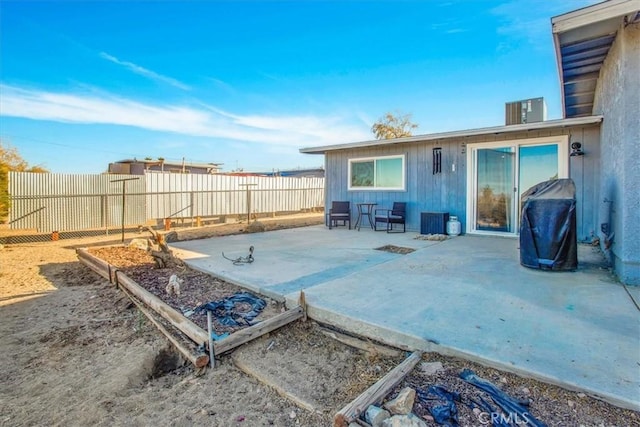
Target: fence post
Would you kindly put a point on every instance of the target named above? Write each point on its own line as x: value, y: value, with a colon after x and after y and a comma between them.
x: 191, y: 200
x: 248, y: 186
x: 124, y: 195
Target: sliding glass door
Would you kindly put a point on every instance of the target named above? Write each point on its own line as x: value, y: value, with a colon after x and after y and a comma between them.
x: 494, y: 183
x: 501, y: 172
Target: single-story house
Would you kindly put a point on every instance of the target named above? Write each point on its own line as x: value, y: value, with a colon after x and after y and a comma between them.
x: 140, y: 167
x: 478, y: 175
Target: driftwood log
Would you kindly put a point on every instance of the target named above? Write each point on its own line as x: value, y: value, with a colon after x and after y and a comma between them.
x: 163, y: 256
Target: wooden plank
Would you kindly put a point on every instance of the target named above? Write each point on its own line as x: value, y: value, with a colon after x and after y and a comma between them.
x: 245, y: 335
x: 199, y: 360
x: 94, y: 263
x: 302, y: 302
x: 184, y: 325
x: 361, y: 344
x: 187, y: 327
x: 376, y: 392
x: 280, y: 390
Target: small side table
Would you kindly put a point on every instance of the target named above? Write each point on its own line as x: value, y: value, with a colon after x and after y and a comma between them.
x: 365, y: 209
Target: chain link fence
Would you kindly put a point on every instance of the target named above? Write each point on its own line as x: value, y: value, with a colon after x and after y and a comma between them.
x: 50, y: 207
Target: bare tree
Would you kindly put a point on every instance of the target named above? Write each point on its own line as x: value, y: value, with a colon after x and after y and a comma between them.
x: 10, y: 160
x: 393, y: 126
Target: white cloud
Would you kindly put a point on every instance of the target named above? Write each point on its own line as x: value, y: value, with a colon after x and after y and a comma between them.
x: 144, y: 72
x: 293, y: 130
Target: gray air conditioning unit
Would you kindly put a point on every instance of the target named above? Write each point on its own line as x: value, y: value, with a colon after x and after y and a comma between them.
x: 526, y: 111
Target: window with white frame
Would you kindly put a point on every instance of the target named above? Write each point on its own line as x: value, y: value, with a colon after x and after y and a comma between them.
x: 377, y: 173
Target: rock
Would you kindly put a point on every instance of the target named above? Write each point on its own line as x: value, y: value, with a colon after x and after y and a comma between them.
x: 526, y: 390
x: 139, y: 243
x: 292, y: 414
x: 171, y: 236
x: 582, y: 395
x: 431, y: 368
x: 375, y: 415
x: 256, y: 227
x: 173, y: 287
x: 403, y: 403
x: 571, y: 403
x: 404, y: 421
x: 477, y: 412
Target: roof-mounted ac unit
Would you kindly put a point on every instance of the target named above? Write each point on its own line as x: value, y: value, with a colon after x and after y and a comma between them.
x: 526, y: 111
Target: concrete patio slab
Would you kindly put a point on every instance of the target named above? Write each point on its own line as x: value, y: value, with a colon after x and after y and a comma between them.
x: 467, y: 296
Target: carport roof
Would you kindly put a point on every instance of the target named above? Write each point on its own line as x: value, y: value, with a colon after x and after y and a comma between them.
x: 495, y: 130
x: 582, y: 40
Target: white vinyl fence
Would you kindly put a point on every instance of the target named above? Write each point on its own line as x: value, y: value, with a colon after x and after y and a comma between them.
x: 60, y: 202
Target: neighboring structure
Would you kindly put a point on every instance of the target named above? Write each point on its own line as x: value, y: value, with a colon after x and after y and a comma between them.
x: 140, y: 167
x: 296, y: 173
x: 478, y: 175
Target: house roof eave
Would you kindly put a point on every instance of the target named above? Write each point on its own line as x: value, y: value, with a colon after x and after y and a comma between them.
x: 496, y: 130
x: 582, y: 40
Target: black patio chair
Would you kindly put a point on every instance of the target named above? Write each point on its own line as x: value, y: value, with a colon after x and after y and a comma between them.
x: 395, y: 215
x: 340, y: 211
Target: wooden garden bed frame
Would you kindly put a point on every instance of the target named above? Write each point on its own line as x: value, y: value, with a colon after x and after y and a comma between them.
x: 195, y: 338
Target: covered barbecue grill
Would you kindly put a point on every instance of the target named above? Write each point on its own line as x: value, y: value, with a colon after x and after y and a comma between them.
x: 548, y: 226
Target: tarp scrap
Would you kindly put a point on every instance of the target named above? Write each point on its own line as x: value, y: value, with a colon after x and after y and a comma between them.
x: 226, y: 310
x: 445, y: 412
x: 511, y: 406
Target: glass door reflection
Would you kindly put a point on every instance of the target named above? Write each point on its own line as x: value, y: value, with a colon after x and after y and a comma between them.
x: 495, y: 189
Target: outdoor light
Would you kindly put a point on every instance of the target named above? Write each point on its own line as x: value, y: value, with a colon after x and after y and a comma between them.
x: 576, y: 149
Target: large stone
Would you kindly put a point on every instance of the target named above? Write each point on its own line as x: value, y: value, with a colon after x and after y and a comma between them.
x: 375, y: 415
x: 431, y: 368
x: 404, y: 421
x: 403, y: 403
x: 139, y: 244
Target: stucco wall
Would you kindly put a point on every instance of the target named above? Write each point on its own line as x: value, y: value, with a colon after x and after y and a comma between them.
x: 447, y: 191
x: 617, y: 98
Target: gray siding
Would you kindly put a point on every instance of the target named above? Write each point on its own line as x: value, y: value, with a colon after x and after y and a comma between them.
x: 618, y: 98
x: 447, y: 191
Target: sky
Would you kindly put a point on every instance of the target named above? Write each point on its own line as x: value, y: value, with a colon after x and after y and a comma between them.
x: 249, y: 83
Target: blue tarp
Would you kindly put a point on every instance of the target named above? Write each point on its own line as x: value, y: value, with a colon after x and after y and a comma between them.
x: 227, y: 313
x: 444, y: 411
x: 514, y: 409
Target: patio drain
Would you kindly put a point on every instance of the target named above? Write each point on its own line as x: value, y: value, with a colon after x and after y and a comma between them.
x: 395, y: 249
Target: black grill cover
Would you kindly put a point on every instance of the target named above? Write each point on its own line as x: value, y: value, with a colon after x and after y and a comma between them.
x: 548, y: 226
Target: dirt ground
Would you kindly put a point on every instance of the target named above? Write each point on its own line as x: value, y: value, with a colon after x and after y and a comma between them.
x: 75, y: 352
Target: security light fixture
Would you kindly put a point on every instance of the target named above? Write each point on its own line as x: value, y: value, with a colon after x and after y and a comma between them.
x: 576, y: 149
